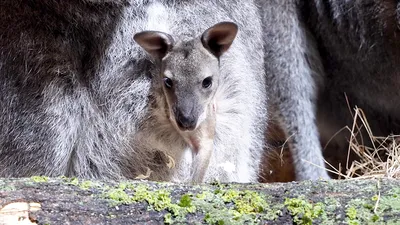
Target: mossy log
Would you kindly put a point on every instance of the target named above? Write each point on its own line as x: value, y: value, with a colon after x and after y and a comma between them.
x: 42, y: 200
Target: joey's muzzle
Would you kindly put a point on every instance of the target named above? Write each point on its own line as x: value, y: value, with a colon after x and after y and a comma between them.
x: 186, y: 112
x: 186, y: 120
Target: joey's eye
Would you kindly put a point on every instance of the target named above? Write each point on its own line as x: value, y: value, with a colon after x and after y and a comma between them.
x: 167, y: 82
x: 207, y: 82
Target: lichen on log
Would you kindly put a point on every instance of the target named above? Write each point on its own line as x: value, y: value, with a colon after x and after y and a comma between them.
x: 42, y: 200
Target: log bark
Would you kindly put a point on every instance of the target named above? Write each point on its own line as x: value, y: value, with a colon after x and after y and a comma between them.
x: 41, y: 200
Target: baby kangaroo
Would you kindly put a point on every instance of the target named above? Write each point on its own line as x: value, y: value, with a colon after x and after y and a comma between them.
x: 188, y: 79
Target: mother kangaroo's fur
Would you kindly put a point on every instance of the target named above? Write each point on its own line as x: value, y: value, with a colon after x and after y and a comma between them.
x: 75, y: 89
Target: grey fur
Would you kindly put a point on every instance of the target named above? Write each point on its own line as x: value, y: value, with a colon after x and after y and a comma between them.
x: 360, y: 50
x: 75, y: 90
x: 294, y: 76
x: 320, y: 52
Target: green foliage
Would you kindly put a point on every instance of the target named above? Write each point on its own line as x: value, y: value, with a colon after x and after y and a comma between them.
x: 303, y: 211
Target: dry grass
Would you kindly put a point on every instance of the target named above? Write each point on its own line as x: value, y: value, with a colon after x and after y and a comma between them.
x: 381, y: 160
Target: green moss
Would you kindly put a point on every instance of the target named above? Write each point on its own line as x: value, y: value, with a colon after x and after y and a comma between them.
x: 370, y: 210
x: 119, y: 196
x: 86, y: 184
x: 186, y: 202
x: 351, y: 213
x: 375, y: 218
x: 168, y: 218
x: 391, y: 201
x: 247, y: 202
x: 353, y: 222
x: 229, y: 206
x: 228, y: 195
x: 388, y: 204
x: 218, y: 207
x: 126, y: 186
x: 83, y: 184
x: 71, y: 180
x: 161, y: 200
x: 40, y: 179
x: 303, y: 211
x: 361, y: 211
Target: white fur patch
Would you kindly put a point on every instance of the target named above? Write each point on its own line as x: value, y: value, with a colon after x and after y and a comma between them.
x: 228, y: 167
x: 157, y: 15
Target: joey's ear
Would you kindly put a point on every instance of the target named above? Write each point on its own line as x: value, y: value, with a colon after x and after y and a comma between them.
x: 218, y: 38
x: 155, y: 43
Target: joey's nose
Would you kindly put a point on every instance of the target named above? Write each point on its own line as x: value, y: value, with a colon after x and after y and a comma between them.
x: 186, y: 121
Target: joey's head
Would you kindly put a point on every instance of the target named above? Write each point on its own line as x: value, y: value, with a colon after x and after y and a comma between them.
x: 189, y: 70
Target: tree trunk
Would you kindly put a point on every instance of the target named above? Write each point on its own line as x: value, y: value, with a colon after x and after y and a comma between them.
x: 42, y: 200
